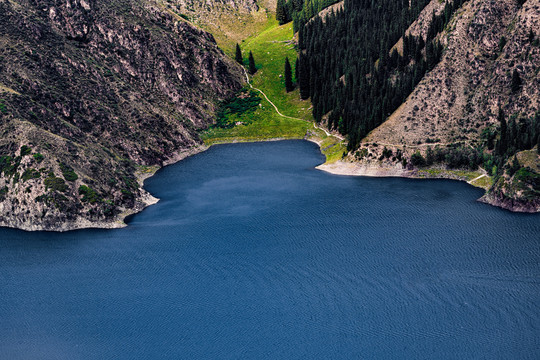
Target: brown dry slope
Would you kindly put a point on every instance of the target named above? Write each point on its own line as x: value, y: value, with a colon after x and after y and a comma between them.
x: 461, y: 96
x: 230, y: 21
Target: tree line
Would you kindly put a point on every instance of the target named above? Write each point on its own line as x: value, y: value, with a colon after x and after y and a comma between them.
x: 346, y: 66
x: 299, y: 11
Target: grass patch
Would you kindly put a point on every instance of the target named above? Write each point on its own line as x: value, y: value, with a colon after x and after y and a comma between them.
x: 269, y: 48
x: 141, y: 169
x: 263, y: 125
x: 485, y: 182
x: 529, y: 158
x: 449, y: 174
x: 333, y: 149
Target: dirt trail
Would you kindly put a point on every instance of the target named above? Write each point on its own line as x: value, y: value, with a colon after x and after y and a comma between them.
x: 282, y: 115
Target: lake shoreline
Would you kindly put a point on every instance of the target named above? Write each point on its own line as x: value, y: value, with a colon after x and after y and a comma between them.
x: 146, y: 199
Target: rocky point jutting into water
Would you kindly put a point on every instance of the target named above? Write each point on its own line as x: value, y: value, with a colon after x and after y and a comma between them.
x: 92, y: 94
x: 458, y: 103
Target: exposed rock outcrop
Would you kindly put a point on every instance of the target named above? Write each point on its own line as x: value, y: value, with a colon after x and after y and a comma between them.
x: 518, y: 189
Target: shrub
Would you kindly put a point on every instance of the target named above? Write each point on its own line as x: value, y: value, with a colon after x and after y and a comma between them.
x: 38, y: 157
x: 68, y: 173
x: 238, y: 105
x: 25, y: 150
x: 386, y: 152
x: 126, y: 194
x: 417, y: 159
x: 9, y: 165
x: 30, y: 174
x: 88, y: 194
x: 108, y: 208
x: 55, y: 183
x: 3, y: 192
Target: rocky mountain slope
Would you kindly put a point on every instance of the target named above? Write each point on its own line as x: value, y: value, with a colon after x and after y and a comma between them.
x: 459, y: 100
x: 230, y: 21
x: 92, y: 95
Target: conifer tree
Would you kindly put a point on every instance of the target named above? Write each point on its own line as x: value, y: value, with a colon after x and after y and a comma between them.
x: 516, y: 81
x: 288, y: 76
x: 252, y: 68
x: 296, y: 69
x: 297, y: 5
x: 303, y: 78
x: 239, y: 59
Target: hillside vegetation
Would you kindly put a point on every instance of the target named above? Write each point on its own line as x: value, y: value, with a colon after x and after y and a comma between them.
x: 438, y: 90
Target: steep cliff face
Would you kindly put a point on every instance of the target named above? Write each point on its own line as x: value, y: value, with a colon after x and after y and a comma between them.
x: 459, y: 100
x: 93, y: 93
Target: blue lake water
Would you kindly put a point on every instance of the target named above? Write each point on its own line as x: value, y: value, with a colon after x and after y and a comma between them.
x: 254, y: 254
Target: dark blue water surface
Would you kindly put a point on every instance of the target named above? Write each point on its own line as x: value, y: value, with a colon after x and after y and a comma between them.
x: 253, y: 254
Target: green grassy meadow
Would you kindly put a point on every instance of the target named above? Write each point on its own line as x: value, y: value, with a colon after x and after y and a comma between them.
x: 270, y: 48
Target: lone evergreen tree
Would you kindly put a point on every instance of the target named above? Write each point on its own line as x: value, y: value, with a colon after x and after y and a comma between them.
x: 516, y: 81
x: 239, y: 59
x: 252, y: 68
x: 288, y: 76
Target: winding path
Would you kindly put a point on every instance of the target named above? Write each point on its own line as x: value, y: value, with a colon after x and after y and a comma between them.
x: 282, y: 115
